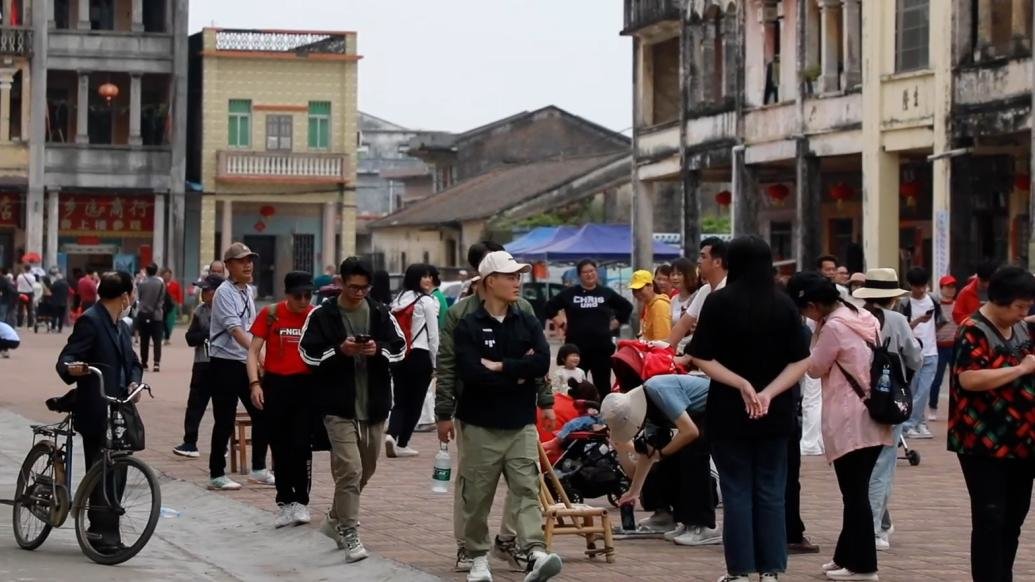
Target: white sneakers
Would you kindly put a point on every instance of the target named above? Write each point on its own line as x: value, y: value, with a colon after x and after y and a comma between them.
x: 262, y: 477
x: 354, y: 550
x: 921, y: 432
x: 883, y: 542
x: 393, y: 450
x: 405, y: 452
x: 223, y: 483
x: 544, y: 566
x: 660, y: 521
x: 699, y: 536
x: 671, y: 535
x: 844, y: 574
x: 292, y: 514
x: 480, y: 570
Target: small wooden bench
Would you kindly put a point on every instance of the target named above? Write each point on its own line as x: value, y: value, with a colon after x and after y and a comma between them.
x: 565, y: 518
x: 240, y: 440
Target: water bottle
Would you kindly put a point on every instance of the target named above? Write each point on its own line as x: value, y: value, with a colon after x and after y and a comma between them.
x: 443, y: 470
x: 169, y: 512
x: 884, y: 384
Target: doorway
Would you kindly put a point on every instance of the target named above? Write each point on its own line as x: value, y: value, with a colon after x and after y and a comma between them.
x: 7, y: 250
x: 266, y: 246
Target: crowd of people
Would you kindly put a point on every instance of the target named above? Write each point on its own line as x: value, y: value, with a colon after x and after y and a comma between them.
x: 765, y: 368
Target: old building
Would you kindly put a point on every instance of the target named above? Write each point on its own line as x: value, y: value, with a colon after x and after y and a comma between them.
x: 896, y: 132
x: 273, y: 129
x: 489, y: 177
x: 98, y: 131
x: 387, y: 176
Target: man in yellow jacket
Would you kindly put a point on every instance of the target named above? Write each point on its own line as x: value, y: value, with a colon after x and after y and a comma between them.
x: 655, y: 308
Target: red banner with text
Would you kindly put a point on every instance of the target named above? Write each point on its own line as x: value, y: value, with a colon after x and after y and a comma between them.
x: 107, y: 216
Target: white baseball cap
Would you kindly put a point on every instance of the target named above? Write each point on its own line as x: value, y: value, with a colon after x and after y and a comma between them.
x: 501, y: 262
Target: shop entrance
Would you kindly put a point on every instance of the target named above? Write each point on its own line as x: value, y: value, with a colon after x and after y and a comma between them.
x: 7, y: 250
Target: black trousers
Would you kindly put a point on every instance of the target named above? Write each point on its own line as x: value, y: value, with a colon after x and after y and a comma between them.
x: 856, y: 548
x: 411, y: 381
x: 197, y: 401
x: 151, y: 329
x: 792, y: 502
x: 1000, y: 496
x: 104, y: 523
x: 683, y: 484
x: 596, y: 361
x: 287, y: 411
x: 57, y: 317
x: 230, y: 384
x: 6, y: 345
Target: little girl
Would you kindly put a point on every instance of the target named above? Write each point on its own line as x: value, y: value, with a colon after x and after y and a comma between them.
x: 568, y: 359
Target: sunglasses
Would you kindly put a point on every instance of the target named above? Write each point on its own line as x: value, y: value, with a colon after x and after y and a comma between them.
x: 307, y: 295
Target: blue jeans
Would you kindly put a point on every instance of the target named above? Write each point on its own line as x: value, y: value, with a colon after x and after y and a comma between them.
x: 753, y: 478
x: 921, y: 392
x: 944, y: 358
x: 670, y: 386
x: 882, y: 478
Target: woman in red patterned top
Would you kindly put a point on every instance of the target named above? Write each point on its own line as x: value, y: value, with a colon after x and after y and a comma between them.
x: 992, y: 420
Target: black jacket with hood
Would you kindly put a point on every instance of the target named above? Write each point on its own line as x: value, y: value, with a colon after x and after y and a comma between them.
x: 320, y: 347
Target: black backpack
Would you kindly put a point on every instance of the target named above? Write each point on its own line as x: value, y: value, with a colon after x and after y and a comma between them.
x: 890, y: 400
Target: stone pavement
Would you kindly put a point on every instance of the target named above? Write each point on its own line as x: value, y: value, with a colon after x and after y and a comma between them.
x: 406, y: 523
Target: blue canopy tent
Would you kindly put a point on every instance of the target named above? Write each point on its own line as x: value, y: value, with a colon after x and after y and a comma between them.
x: 538, y: 237
x: 601, y: 242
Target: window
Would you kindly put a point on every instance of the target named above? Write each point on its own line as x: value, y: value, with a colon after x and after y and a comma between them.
x: 780, y: 237
x: 304, y: 251
x: 913, y: 37
x: 278, y: 132
x: 240, y: 123
x: 319, y: 125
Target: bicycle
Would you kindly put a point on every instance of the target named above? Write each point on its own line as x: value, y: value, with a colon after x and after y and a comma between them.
x: 118, y: 488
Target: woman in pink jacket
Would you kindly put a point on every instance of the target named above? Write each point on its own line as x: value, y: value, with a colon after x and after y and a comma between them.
x: 851, y: 438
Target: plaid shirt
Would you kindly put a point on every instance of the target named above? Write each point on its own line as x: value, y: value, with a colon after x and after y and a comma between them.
x: 996, y: 423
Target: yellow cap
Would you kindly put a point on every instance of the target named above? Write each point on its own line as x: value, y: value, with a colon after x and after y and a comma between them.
x: 640, y: 280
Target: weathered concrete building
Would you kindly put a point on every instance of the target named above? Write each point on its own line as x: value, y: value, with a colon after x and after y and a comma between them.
x: 273, y: 124
x: 92, y: 96
x: 897, y: 131
x: 521, y: 166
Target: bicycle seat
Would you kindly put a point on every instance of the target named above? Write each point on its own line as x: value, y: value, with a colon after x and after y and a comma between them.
x: 64, y: 403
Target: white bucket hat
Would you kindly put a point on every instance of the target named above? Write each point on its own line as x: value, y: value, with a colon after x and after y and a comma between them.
x: 880, y: 284
x: 625, y: 413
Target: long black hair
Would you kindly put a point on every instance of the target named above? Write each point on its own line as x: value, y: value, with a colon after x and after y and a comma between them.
x: 414, y: 274
x: 812, y: 287
x: 749, y: 281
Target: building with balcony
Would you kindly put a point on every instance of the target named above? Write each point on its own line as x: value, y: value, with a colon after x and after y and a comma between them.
x: 894, y: 134
x: 273, y: 133
x: 105, y: 186
x: 16, y: 46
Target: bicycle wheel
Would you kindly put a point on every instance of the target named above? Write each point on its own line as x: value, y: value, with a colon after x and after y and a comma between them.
x: 34, y: 497
x: 122, y: 500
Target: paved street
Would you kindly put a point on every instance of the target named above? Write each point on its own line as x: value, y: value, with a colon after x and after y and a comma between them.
x: 229, y: 536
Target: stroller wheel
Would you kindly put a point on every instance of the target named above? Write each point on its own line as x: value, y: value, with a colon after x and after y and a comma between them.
x: 913, y: 457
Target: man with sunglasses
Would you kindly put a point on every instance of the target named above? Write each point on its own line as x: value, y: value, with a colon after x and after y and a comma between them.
x: 283, y: 394
x: 350, y: 341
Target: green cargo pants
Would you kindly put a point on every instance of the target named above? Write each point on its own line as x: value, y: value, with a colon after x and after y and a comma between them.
x: 487, y: 455
x: 507, y: 533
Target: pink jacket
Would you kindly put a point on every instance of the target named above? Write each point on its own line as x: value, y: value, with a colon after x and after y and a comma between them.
x: 847, y: 425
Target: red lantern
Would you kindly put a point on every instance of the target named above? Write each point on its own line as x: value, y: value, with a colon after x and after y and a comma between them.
x: 109, y: 91
x: 910, y: 191
x: 259, y: 226
x: 724, y: 198
x: 778, y: 193
x: 267, y: 211
x: 1022, y: 182
x: 841, y: 192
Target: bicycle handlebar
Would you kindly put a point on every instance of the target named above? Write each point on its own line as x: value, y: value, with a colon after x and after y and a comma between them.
x: 100, y: 385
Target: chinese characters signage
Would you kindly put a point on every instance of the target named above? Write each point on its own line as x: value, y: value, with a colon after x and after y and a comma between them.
x: 125, y: 216
x: 10, y: 209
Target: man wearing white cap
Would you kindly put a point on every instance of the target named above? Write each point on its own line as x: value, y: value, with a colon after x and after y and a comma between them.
x: 500, y: 351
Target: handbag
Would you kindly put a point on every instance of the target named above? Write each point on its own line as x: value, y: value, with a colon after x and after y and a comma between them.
x: 127, y: 428
x: 890, y: 400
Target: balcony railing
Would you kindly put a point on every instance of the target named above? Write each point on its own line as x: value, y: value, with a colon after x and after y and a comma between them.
x: 287, y: 167
x: 642, y: 13
x: 273, y: 41
x: 15, y: 41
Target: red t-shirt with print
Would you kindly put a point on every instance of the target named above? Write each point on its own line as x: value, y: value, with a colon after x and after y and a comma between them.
x: 282, y: 357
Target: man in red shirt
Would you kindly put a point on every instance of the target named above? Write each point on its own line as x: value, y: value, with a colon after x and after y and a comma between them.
x: 283, y: 394
x: 975, y: 294
x: 175, y: 292
x: 86, y: 288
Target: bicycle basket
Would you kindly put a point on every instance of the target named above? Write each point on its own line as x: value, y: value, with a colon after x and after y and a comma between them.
x: 127, y: 428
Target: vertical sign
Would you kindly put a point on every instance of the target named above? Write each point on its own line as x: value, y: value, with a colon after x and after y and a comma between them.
x: 941, y: 244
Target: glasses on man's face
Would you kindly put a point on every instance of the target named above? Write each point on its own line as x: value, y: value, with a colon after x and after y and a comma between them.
x: 357, y: 289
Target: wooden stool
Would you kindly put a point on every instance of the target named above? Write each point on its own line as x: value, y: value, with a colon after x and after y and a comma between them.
x: 239, y: 441
x: 566, y: 518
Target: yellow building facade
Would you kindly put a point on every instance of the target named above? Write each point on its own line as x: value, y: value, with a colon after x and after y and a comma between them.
x: 275, y: 121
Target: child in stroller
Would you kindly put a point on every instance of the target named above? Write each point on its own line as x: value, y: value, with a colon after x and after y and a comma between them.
x: 582, y: 457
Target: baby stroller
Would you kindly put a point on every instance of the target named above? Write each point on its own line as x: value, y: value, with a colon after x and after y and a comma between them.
x: 908, y: 454
x: 589, y: 468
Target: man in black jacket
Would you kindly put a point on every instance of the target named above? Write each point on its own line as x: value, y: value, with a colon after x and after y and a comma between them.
x: 592, y: 312
x: 101, y: 339
x: 351, y: 341
x: 500, y: 351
